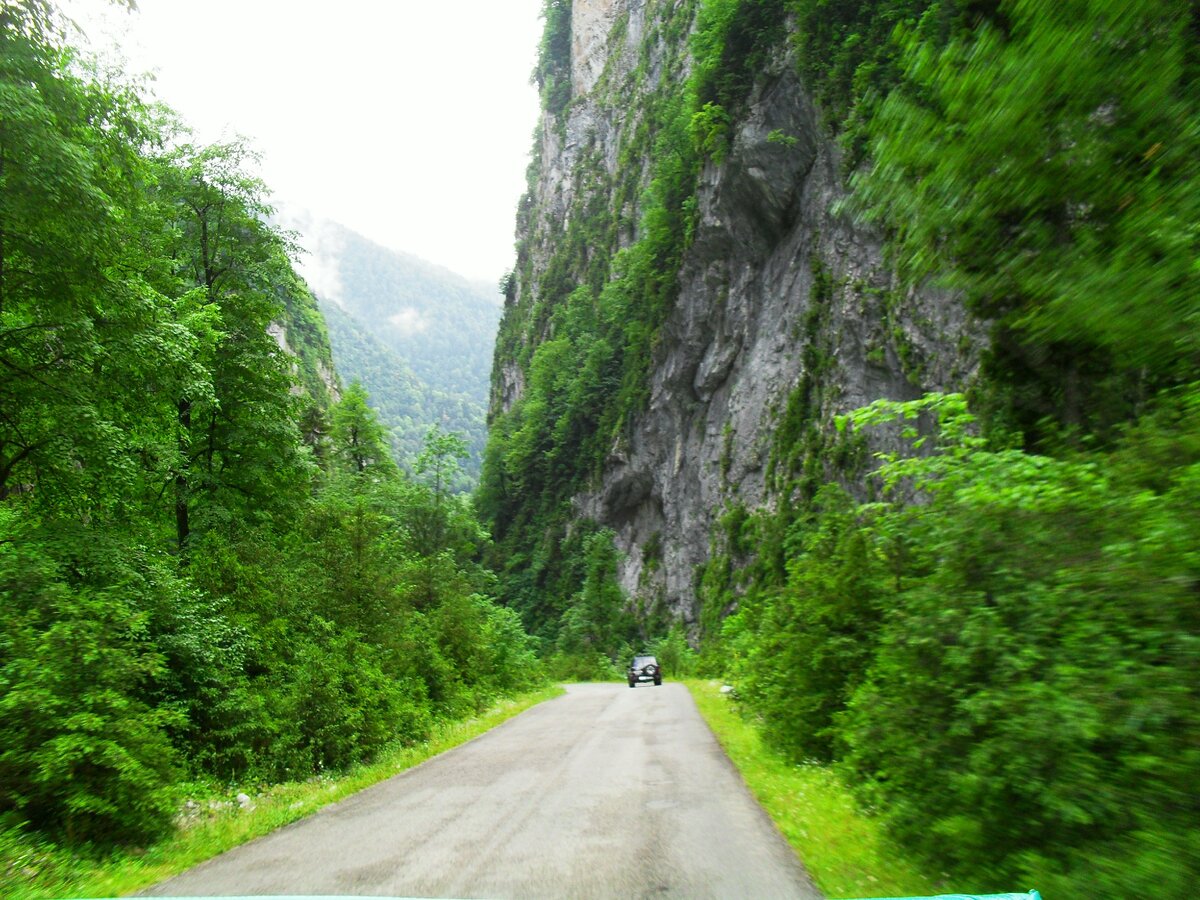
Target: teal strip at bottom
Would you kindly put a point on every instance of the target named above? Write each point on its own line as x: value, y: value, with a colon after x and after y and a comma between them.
x: 1028, y: 895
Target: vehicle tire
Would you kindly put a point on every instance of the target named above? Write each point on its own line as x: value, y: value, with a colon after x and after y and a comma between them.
x: 632, y: 684
x: 658, y: 682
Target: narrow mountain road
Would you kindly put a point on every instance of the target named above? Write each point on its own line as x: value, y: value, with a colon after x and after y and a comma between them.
x: 606, y: 792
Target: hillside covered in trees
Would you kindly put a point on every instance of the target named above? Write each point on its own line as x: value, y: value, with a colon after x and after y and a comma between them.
x: 210, y: 571
x: 857, y: 341
x: 418, y: 337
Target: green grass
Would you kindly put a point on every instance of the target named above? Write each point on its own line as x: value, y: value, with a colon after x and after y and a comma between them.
x: 29, y: 870
x: 845, y: 851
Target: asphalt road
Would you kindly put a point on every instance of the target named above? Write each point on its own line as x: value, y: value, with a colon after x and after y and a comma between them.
x: 606, y: 792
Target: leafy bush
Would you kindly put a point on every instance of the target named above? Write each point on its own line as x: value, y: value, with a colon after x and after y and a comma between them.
x: 677, y: 658
x: 340, y: 707
x: 1035, y: 685
x: 1000, y: 652
x: 583, y: 667
x: 81, y: 752
x: 709, y: 129
x: 800, y: 650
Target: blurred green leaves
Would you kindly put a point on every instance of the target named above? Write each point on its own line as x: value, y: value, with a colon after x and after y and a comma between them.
x: 1000, y: 651
x: 1045, y: 162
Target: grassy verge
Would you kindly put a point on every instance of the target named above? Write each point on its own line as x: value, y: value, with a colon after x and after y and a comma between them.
x: 846, y: 852
x: 29, y: 871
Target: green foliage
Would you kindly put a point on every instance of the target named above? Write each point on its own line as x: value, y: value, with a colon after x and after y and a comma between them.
x: 674, y: 654
x: 1045, y: 164
x: 581, y: 667
x: 709, y: 129
x: 83, y: 752
x: 216, y: 264
x: 439, y: 460
x: 553, y: 71
x: 205, y: 572
x: 419, y: 338
x: 733, y: 43
x: 357, y: 439
x: 778, y: 136
x: 998, y: 654
x: 68, y: 153
x: 801, y: 651
x: 848, y: 57
x: 1050, y: 598
x: 1004, y: 668
x: 596, y: 622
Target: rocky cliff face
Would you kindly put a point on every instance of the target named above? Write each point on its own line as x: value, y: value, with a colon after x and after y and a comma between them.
x: 323, y: 374
x: 300, y: 332
x: 785, y: 309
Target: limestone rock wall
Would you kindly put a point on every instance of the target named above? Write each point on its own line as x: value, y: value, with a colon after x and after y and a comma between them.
x: 732, y: 349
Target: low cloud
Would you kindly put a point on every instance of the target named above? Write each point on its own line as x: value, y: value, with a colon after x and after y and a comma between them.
x: 409, y: 322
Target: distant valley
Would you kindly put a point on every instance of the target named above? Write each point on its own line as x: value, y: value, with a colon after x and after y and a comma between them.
x: 416, y: 335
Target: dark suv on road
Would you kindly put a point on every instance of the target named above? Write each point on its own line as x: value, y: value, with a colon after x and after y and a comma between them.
x: 644, y: 668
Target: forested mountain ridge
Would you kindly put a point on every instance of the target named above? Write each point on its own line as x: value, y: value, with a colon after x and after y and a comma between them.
x: 418, y: 337
x: 765, y: 241
x: 441, y: 321
x: 212, y: 570
x: 395, y: 391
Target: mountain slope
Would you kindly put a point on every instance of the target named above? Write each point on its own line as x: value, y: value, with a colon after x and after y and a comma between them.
x: 418, y: 337
x: 441, y: 324
x: 407, y: 406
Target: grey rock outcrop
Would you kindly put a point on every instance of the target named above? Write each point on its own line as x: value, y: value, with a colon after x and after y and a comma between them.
x: 324, y: 372
x: 732, y: 350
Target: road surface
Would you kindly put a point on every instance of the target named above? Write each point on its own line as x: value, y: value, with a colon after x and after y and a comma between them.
x: 605, y: 792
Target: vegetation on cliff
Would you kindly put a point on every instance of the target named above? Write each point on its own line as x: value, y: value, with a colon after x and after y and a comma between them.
x: 583, y: 337
x: 207, y: 571
x: 994, y: 636
x: 999, y: 650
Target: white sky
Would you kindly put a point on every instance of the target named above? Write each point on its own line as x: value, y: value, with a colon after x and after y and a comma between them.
x: 408, y: 121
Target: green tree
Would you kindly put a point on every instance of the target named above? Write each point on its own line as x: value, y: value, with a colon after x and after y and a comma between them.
x: 238, y: 453
x: 359, y: 443
x: 75, y: 335
x: 438, y: 521
x: 82, y: 753
x: 597, y: 623
x: 439, y: 459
